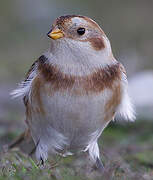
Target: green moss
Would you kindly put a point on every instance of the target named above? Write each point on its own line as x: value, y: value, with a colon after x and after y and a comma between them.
x: 145, y: 158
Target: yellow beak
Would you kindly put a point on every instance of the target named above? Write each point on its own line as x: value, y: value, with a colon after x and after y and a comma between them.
x: 55, y: 33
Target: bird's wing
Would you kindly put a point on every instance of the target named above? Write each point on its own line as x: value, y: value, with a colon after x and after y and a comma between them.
x: 25, y: 86
x: 126, y: 109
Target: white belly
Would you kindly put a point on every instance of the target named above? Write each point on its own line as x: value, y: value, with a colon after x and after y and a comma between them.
x: 70, y: 122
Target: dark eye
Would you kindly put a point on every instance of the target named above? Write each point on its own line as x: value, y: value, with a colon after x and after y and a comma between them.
x: 81, y: 31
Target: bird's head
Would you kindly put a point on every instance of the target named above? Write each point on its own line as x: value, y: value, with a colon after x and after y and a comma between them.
x: 81, y: 36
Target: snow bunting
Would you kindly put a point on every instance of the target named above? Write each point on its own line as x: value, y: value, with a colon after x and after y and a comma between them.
x: 74, y: 90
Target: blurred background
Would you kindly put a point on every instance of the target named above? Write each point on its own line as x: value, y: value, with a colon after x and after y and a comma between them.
x: 128, y: 25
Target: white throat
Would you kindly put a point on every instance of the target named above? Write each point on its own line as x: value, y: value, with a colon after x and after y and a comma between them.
x: 76, y: 57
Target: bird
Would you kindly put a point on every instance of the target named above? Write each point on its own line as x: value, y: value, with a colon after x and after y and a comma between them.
x: 74, y: 90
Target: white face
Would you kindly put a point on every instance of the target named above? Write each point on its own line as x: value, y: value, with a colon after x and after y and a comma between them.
x: 81, y: 29
x: 88, y: 47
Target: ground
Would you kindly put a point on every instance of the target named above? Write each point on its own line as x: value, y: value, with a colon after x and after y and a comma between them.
x: 126, y: 151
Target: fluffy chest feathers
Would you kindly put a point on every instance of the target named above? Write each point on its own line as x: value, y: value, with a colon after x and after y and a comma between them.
x: 74, y: 109
x: 69, y: 102
x: 98, y: 80
x: 50, y: 81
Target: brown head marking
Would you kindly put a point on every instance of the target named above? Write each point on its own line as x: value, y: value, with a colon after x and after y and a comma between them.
x: 97, y: 43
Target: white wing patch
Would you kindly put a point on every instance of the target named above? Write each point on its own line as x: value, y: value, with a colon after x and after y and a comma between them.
x: 25, y: 86
x: 126, y: 109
